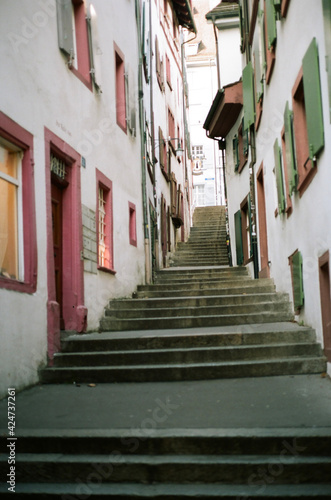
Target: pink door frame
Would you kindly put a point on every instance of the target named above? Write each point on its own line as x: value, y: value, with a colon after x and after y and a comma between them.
x: 74, y: 311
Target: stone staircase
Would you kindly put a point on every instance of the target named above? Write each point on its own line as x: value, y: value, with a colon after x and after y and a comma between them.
x: 193, y: 323
x: 207, y: 242
x: 206, y: 464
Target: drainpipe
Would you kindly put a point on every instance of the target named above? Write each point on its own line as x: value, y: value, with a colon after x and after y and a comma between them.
x: 217, y: 55
x: 142, y: 148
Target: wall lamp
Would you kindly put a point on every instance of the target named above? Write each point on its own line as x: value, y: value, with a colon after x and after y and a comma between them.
x: 179, y: 150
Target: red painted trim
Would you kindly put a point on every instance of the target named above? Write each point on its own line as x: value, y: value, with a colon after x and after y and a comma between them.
x: 82, y: 72
x: 132, y: 224
x: 255, y: 8
x: 74, y: 311
x: 105, y: 183
x: 262, y: 221
x: 325, y: 294
x: 284, y: 7
x: 306, y: 170
x: 120, y: 89
x: 20, y: 137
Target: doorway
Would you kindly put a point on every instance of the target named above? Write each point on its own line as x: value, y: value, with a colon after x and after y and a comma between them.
x: 263, y: 236
x: 324, y: 272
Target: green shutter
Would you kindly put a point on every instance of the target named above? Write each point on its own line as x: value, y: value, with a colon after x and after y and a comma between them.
x: 279, y: 178
x: 290, y: 150
x: 313, y: 99
x: 239, y: 240
x: 245, y: 139
x: 248, y: 95
x: 327, y: 36
x: 262, y: 45
x: 271, y: 22
x: 298, y: 295
x: 235, y: 145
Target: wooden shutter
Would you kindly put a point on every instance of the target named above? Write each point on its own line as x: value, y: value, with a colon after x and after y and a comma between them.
x: 279, y: 178
x: 248, y: 96
x: 298, y: 294
x: 242, y: 29
x: 235, y: 144
x: 173, y: 195
x: 239, y: 239
x: 94, y: 46
x: 290, y: 150
x: 271, y: 22
x: 245, y: 139
x: 250, y: 225
x: 313, y: 100
x: 161, y: 147
x: 65, y: 27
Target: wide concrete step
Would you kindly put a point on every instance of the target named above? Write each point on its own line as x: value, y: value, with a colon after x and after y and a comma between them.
x: 197, y: 262
x: 272, y: 306
x: 250, y: 335
x: 186, y: 355
x: 112, y: 324
x: 166, y: 491
x: 161, y: 293
x: 178, y: 372
x: 198, y: 301
x: 146, y: 469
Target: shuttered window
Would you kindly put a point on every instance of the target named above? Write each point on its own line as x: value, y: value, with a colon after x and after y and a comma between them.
x: 289, y: 149
x: 271, y: 22
x: 279, y: 177
x: 94, y: 46
x: 65, y: 27
x: 239, y: 242
x: 313, y: 100
x: 235, y: 145
x: 248, y: 96
x: 297, y: 280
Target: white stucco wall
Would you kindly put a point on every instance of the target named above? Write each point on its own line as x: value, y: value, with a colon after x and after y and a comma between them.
x: 37, y: 90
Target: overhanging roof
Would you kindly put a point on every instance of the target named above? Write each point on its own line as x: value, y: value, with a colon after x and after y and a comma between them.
x: 224, y: 9
x: 225, y: 110
x: 184, y: 14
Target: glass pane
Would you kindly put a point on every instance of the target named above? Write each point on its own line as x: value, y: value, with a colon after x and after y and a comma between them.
x: 8, y: 230
x: 8, y: 162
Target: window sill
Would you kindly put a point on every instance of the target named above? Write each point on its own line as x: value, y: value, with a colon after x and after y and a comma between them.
x: 107, y: 270
x: 241, y: 166
x: 165, y: 174
x: 133, y: 243
x: 87, y: 83
x: 306, y: 179
x: 17, y: 286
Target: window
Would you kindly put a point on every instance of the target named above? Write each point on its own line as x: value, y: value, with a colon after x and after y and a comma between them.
x: 295, y: 261
x: 74, y: 33
x: 159, y: 66
x: 168, y: 72
x: 240, y: 148
x: 104, y: 223
x: 279, y: 178
x: 120, y: 90
x: 18, y: 251
x: 308, y: 118
x: 289, y: 160
x: 199, y: 195
x: 171, y: 129
x: 248, y: 96
x: 270, y: 32
x: 132, y: 225
x: 163, y: 155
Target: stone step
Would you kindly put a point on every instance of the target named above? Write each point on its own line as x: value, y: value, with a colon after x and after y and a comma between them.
x: 111, y: 324
x: 197, y: 262
x: 184, y: 292
x: 197, y: 301
x: 142, y: 469
x: 186, y: 355
x: 150, y: 311
x: 166, y: 491
x: 178, y: 372
x: 252, y: 335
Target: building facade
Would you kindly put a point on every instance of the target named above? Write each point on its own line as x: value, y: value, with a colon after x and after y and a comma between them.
x: 76, y: 191
x: 278, y: 140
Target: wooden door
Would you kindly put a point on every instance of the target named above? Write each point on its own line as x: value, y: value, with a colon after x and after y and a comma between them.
x: 57, y: 246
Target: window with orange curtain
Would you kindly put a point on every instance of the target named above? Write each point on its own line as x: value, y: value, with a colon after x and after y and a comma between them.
x: 10, y: 192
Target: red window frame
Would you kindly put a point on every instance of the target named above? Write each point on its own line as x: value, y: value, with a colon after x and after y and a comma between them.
x: 132, y: 224
x: 120, y: 89
x: 106, y: 184
x: 82, y: 44
x: 18, y: 136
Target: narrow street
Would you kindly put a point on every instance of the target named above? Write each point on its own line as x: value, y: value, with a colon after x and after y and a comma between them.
x: 200, y: 386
